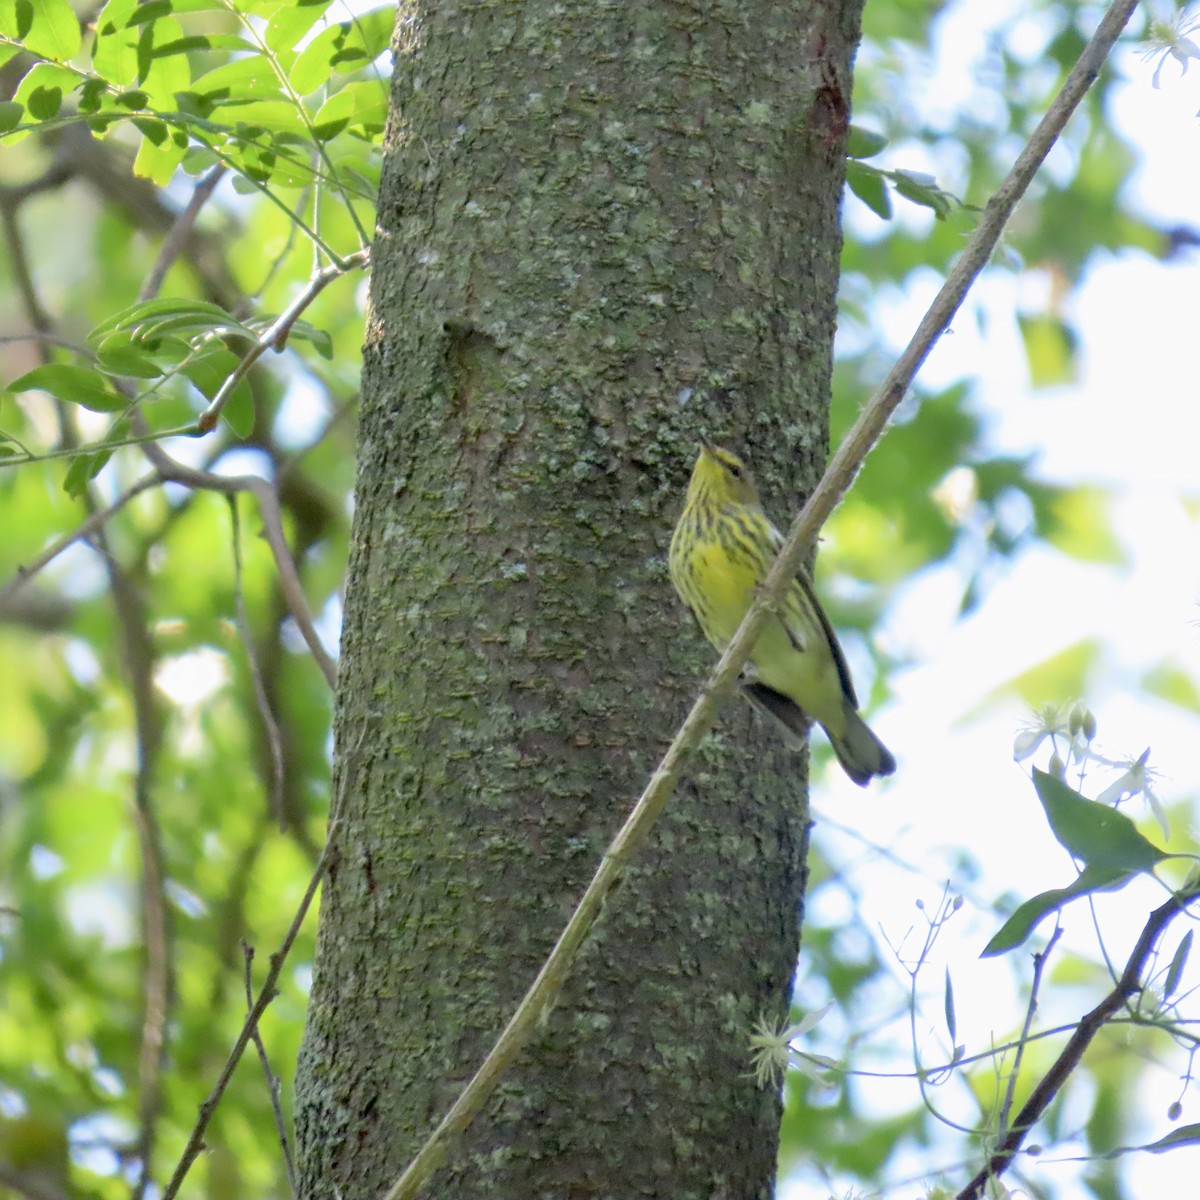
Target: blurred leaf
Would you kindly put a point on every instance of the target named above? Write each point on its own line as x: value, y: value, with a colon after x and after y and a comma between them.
x: 1169, y: 682
x: 1050, y: 349
x: 1079, y: 525
x: 1062, y: 674
x: 864, y: 143
x: 924, y: 191
x: 72, y: 385
x: 868, y: 185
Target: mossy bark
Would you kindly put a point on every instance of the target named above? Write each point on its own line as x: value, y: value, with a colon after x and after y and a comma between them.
x: 604, y: 229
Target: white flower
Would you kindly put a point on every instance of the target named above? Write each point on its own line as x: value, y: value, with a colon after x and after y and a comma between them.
x: 771, y: 1051
x: 1049, y: 721
x: 1137, y: 780
x: 1169, y: 39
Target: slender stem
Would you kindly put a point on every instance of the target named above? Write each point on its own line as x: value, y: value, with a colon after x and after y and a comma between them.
x: 1039, y: 966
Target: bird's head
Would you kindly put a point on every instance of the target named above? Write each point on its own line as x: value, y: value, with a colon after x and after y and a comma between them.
x: 720, y: 477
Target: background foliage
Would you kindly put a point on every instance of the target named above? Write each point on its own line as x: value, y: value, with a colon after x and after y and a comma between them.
x: 164, y: 727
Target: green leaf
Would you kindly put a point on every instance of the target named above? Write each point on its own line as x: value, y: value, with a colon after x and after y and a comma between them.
x: 158, y: 158
x: 209, y: 371
x: 1099, y: 835
x: 87, y: 466
x: 948, y: 1005
x: 1022, y: 923
x: 115, y: 53
x: 1178, y: 962
x: 154, y: 319
x: 868, y: 185
x: 1185, y: 1135
x: 361, y: 107
x: 73, y: 385
x: 368, y: 36
x: 864, y: 143
x: 48, y: 28
x: 240, y: 81
x: 10, y: 115
x: 289, y: 25
x: 151, y: 55
x: 923, y: 190
x: 83, y: 470
x: 42, y: 89
x: 121, y: 356
x: 238, y: 411
x: 313, y: 66
x: 319, y: 339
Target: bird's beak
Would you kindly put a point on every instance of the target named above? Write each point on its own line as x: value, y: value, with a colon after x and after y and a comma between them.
x: 706, y: 446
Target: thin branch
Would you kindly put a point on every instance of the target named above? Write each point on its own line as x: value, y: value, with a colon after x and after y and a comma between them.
x: 275, y: 337
x: 176, y: 240
x: 170, y: 470
x: 23, y: 274
x: 261, y: 699
x: 48, y: 338
x: 833, y: 485
x: 137, y: 653
x: 272, y: 1078
x: 1091, y: 1024
x: 1039, y: 966
x: 31, y: 1184
x: 195, y: 1142
x: 85, y: 530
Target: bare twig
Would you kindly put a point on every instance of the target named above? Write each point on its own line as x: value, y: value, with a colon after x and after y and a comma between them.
x: 272, y: 1078
x: 1051, y: 1083
x: 85, y: 530
x: 275, y: 338
x: 19, y: 265
x: 261, y: 699
x: 31, y: 1184
x: 170, y: 470
x: 195, y: 1142
x: 833, y: 485
x: 137, y: 654
x: 176, y: 240
x: 1039, y: 966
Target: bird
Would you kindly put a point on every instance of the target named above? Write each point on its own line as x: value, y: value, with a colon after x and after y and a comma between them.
x: 721, y: 550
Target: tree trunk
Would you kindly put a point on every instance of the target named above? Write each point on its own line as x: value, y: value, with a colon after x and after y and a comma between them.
x: 604, y: 229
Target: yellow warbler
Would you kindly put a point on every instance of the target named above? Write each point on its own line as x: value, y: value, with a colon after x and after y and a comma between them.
x: 721, y: 551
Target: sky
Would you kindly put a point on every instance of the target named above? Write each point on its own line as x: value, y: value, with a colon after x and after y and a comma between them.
x: 1131, y: 423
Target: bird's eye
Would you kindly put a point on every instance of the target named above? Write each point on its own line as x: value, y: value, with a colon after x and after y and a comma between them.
x: 735, y: 470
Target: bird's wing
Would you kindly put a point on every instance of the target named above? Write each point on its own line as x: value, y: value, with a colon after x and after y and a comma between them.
x: 809, y: 615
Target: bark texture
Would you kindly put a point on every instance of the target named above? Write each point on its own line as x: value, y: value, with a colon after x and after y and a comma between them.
x: 604, y: 228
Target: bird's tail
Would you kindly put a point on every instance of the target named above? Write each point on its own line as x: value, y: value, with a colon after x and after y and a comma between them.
x: 861, y: 753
